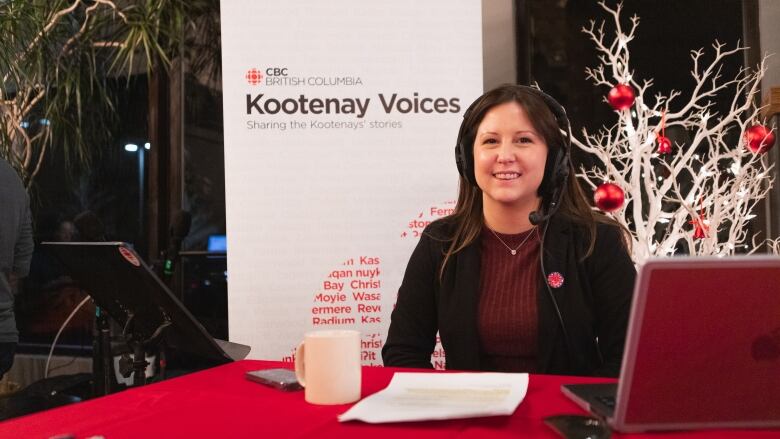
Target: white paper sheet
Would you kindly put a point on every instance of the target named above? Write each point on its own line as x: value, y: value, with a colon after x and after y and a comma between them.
x: 427, y: 396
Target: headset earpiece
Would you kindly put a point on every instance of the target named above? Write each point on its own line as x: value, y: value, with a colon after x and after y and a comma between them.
x: 463, y: 153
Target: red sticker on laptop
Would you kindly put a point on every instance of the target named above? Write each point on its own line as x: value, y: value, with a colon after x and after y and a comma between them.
x: 555, y: 279
x: 129, y: 256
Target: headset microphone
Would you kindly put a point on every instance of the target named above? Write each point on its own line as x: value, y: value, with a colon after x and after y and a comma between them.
x: 537, y: 217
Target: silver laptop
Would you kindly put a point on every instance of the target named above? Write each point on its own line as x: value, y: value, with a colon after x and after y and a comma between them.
x: 702, y: 350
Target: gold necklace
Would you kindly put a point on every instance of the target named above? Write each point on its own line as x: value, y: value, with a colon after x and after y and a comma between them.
x: 511, y: 250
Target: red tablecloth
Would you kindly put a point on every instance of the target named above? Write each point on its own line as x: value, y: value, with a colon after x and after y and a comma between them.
x: 221, y: 403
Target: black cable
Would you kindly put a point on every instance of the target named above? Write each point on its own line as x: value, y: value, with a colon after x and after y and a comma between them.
x: 550, y: 293
x: 60, y: 366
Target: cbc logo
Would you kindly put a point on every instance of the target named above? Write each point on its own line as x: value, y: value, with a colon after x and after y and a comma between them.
x: 255, y: 76
x: 276, y: 71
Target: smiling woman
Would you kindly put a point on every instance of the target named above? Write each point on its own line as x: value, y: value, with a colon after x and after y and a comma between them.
x: 509, y: 157
x: 523, y: 276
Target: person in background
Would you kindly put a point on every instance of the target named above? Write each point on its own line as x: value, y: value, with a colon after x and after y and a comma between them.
x: 524, y: 276
x: 66, y: 231
x: 16, y: 248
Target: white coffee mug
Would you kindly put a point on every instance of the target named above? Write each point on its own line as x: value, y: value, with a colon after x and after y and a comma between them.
x: 327, y: 364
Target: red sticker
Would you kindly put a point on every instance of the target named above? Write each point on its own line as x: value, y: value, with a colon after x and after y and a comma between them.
x: 555, y: 279
x: 129, y: 256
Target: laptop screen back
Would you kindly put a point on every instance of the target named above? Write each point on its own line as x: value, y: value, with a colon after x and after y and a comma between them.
x: 703, y: 352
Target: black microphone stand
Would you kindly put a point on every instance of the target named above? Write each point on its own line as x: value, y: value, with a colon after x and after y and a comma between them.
x: 140, y: 346
x: 102, y: 364
x: 92, y: 229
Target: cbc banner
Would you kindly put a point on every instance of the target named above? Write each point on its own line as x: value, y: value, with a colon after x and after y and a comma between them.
x: 340, y: 126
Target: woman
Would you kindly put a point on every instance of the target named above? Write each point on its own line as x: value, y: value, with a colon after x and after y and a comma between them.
x: 524, y: 276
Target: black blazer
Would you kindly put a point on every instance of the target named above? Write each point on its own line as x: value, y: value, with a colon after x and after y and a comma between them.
x: 594, y: 301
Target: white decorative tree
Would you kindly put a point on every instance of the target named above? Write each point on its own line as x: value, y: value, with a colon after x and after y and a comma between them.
x: 701, y: 191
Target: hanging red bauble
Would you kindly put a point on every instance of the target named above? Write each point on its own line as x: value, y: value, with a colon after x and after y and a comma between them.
x: 608, y: 197
x: 759, y: 139
x: 664, y: 145
x: 621, y: 97
x: 698, y: 232
x: 699, y: 228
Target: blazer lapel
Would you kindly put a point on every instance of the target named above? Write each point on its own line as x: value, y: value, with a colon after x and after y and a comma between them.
x: 466, y: 300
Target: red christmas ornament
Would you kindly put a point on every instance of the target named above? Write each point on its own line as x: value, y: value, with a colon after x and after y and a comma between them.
x: 699, y: 228
x: 621, y: 97
x: 664, y: 145
x: 608, y: 197
x: 759, y: 139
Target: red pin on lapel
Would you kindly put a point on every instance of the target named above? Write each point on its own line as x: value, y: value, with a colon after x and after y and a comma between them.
x: 555, y: 279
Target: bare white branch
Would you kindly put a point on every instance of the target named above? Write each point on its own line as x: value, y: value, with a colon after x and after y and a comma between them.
x: 710, y: 180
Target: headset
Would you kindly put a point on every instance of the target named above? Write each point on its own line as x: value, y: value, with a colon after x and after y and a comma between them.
x: 556, y: 171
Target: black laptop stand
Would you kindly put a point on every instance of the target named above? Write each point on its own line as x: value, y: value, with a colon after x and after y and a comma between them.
x: 129, y: 291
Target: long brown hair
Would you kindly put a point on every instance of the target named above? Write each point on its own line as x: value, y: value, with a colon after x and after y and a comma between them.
x: 468, y: 217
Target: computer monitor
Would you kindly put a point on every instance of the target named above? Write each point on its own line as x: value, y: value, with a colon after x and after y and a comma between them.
x: 217, y: 244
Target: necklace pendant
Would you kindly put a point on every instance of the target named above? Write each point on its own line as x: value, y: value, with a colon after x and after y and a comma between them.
x: 514, y: 252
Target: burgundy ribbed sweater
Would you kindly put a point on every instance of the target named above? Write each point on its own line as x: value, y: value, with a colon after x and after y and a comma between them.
x: 507, y: 317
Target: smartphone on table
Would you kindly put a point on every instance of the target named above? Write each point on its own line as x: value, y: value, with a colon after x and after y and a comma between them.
x: 282, y: 379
